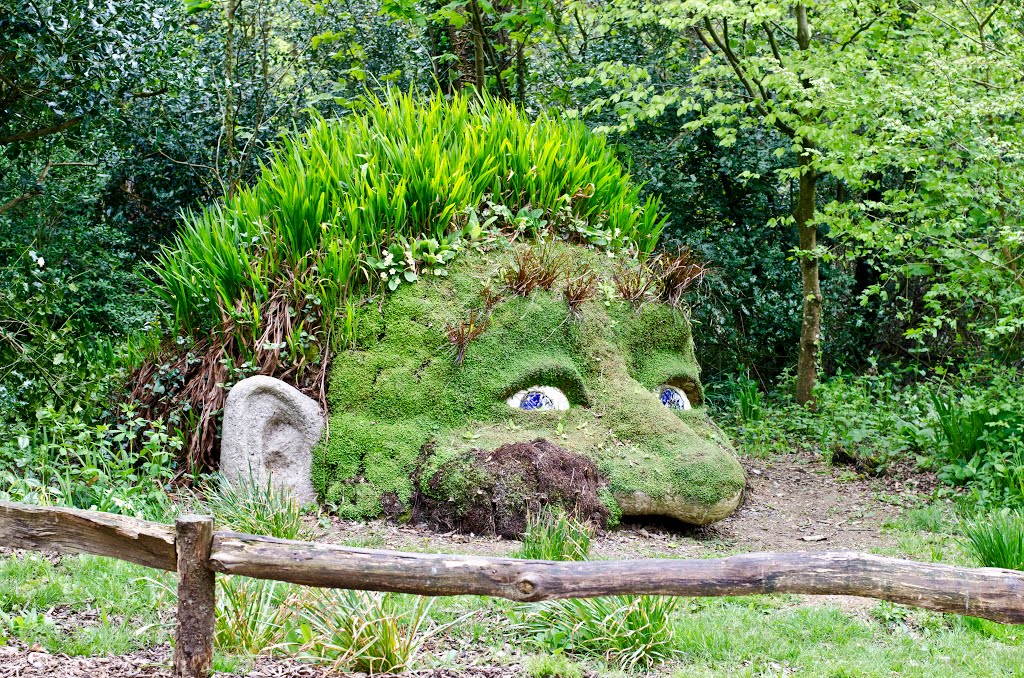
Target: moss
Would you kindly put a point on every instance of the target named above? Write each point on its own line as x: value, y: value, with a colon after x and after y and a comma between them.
x: 614, y: 511
x: 402, y: 409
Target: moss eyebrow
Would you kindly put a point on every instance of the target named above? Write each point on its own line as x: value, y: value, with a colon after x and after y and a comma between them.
x: 565, y: 377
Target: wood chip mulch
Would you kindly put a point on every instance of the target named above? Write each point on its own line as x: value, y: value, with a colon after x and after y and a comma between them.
x: 21, y: 662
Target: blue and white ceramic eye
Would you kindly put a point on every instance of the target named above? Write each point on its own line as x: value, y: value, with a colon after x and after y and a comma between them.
x: 673, y: 397
x: 539, y: 398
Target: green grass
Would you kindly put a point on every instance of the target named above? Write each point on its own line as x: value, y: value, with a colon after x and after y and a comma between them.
x: 37, y: 596
x: 751, y: 636
x: 401, y: 170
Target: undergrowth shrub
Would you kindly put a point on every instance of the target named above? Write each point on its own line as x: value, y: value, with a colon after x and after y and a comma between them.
x: 968, y: 426
x: 633, y: 632
x: 64, y: 460
x: 252, y: 616
x: 264, y: 281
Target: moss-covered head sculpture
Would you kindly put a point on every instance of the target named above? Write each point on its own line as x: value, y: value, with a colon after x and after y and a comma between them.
x: 598, y: 408
x: 473, y: 279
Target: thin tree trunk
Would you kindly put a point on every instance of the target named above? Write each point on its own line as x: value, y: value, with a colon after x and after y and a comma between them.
x: 229, y: 96
x: 810, y: 328
x: 478, y: 47
x: 521, y: 75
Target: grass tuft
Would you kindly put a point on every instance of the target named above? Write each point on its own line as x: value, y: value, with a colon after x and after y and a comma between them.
x: 632, y: 632
x: 580, y: 287
x: 635, y: 284
x: 679, y: 272
x: 253, y: 507
x: 997, y: 539
x: 553, y: 535
x: 531, y: 268
x: 364, y: 631
x: 461, y: 333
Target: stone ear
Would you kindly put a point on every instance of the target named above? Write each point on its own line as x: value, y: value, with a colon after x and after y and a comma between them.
x: 270, y: 429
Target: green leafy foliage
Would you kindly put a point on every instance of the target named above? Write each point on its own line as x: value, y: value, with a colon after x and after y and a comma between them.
x: 252, y: 616
x: 64, y: 461
x: 965, y: 425
x: 399, y: 169
x: 633, y: 632
x: 364, y: 631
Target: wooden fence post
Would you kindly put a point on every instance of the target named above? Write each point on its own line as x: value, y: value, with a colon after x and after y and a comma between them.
x: 193, y: 649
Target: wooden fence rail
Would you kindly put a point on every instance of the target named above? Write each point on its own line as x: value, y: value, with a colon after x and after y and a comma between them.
x: 196, y: 553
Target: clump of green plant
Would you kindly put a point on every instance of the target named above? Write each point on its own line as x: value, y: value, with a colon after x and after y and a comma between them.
x: 252, y: 614
x: 363, y: 631
x: 552, y: 666
x: 749, y: 400
x: 553, y: 535
x: 997, y: 539
x: 63, y: 460
x: 961, y: 426
x: 253, y: 507
x: 632, y: 632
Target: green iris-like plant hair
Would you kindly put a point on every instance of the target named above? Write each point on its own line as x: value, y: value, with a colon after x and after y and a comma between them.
x: 267, y: 277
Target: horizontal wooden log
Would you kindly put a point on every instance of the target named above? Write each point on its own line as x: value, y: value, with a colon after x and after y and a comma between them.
x: 980, y: 592
x: 76, y: 531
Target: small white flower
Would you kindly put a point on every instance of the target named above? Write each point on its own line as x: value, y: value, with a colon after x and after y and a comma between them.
x: 40, y: 261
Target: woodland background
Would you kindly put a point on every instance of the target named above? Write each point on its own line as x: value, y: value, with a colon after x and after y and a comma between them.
x: 857, y: 160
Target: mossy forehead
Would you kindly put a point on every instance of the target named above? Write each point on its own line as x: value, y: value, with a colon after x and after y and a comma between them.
x: 418, y: 413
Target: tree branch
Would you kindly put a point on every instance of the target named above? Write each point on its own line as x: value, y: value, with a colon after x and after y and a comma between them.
x: 737, y: 67
x: 41, y: 132
x: 774, y: 45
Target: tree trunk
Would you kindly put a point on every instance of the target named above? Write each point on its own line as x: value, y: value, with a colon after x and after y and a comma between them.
x: 810, y: 328
x: 480, y: 75
x: 229, y: 97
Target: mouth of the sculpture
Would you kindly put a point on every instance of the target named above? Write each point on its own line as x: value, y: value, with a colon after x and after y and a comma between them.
x: 500, y: 488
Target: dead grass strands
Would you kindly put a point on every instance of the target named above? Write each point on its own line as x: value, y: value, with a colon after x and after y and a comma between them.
x: 580, y: 287
x: 679, y: 272
x: 460, y: 334
x: 635, y: 285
